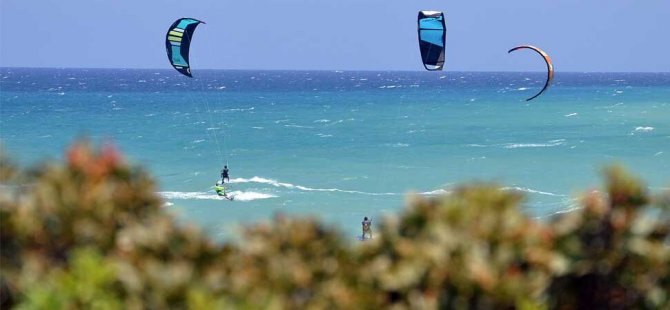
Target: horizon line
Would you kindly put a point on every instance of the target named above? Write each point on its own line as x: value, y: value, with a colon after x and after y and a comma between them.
x: 326, y: 70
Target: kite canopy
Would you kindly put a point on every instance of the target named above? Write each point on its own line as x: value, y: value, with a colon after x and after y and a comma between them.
x: 550, y: 66
x: 178, y: 43
x: 432, y: 39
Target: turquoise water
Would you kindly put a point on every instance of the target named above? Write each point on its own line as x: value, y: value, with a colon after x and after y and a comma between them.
x: 343, y: 145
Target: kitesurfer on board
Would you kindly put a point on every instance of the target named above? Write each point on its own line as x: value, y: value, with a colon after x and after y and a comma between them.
x: 224, y: 174
x: 220, y: 189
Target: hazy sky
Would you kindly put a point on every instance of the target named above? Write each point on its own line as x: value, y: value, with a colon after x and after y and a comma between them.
x: 580, y: 35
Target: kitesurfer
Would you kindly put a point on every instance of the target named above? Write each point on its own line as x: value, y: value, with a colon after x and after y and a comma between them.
x: 224, y: 174
x: 220, y: 189
x: 367, y: 228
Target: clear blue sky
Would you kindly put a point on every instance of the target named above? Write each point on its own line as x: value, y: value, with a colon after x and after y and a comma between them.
x: 580, y: 35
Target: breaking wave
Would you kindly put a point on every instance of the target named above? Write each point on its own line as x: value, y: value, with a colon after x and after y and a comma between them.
x: 532, y: 191
x: 303, y: 188
x: 238, y: 196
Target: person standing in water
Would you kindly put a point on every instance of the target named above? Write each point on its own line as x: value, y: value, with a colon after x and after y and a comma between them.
x: 367, y: 227
x: 224, y: 174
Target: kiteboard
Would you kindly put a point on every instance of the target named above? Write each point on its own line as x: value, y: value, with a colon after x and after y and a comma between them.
x: 227, y: 197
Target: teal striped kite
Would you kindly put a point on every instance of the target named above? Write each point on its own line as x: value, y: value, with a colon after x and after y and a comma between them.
x: 178, y: 43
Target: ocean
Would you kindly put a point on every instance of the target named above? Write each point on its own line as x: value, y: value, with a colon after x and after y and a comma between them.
x: 341, y: 145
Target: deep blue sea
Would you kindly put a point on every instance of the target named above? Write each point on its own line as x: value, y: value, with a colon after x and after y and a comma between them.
x: 343, y: 145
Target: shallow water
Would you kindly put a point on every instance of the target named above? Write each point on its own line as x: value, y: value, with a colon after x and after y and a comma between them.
x: 343, y: 145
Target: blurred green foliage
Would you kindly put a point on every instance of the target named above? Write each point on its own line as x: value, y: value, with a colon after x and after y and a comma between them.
x: 91, y: 234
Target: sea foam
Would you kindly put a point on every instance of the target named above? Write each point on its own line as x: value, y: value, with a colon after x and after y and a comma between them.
x: 275, y: 183
x: 237, y: 195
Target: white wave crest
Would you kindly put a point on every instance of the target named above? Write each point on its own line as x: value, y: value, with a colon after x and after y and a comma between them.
x: 189, y: 196
x: 643, y: 129
x: 302, y: 188
x: 532, y: 191
x: 239, y: 109
x: 336, y: 122
x: 396, y: 145
x: 436, y: 192
x: 526, y: 145
x: 297, y: 126
x: 570, y: 208
x: 249, y: 196
x: 237, y: 195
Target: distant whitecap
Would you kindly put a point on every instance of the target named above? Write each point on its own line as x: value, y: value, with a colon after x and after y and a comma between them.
x: 532, y: 145
x: 644, y: 129
x: 436, y: 192
x: 297, y: 126
x: 529, y: 190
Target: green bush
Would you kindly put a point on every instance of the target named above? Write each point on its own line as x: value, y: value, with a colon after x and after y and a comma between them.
x: 91, y: 234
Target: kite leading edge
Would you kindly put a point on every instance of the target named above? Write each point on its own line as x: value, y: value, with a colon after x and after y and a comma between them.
x: 547, y: 59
